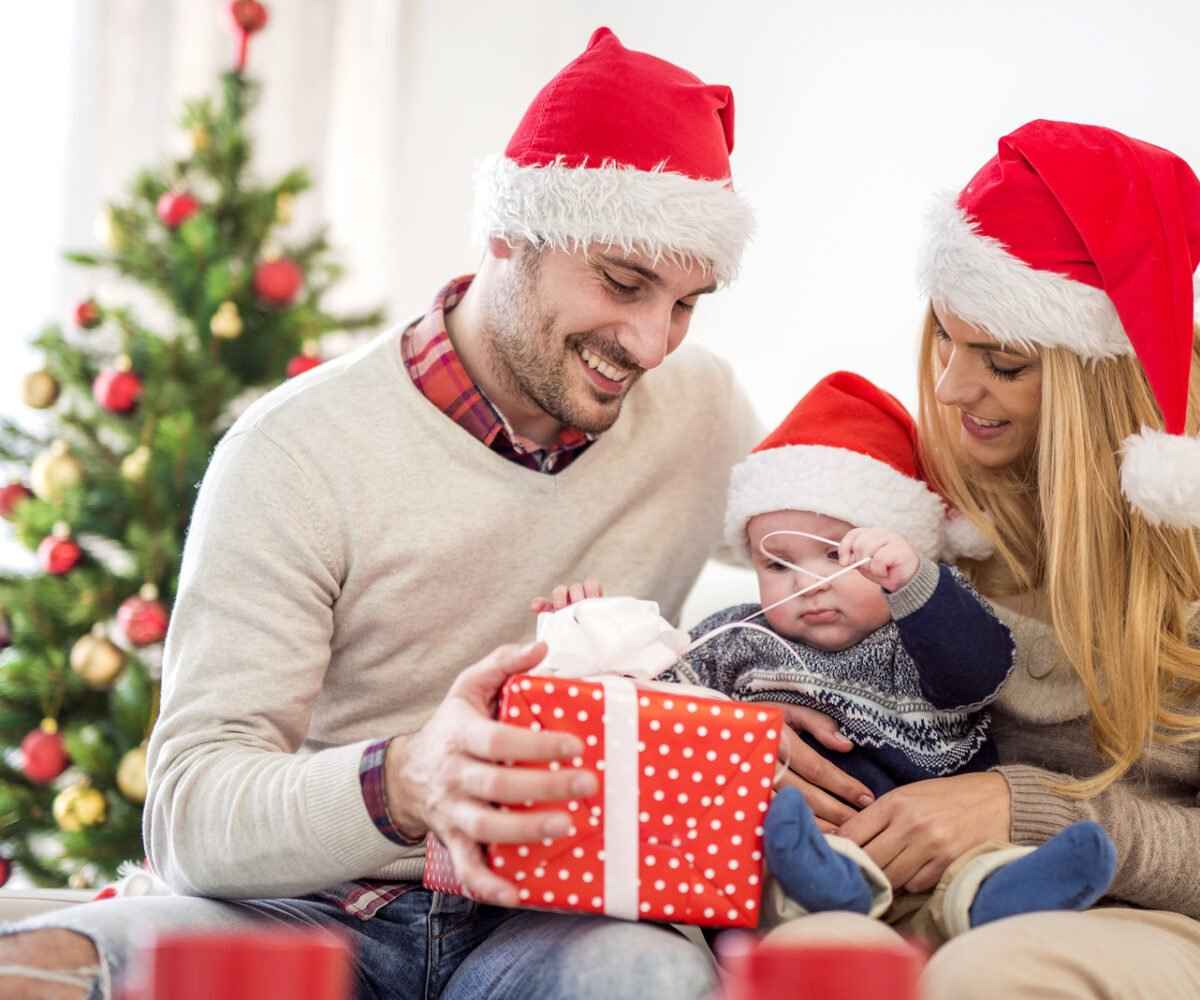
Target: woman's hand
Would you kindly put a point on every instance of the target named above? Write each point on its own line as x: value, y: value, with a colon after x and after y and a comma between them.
x: 915, y: 831
x: 815, y: 777
x: 566, y: 593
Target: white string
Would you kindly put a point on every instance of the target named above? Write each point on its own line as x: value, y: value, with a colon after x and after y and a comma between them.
x: 83, y: 976
x: 745, y: 622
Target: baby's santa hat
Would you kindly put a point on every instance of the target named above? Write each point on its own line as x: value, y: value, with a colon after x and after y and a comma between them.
x: 621, y: 149
x: 1079, y: 237
x: 848, y: 450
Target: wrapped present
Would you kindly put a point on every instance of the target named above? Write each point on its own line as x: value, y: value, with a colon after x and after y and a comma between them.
x: 675, y: 830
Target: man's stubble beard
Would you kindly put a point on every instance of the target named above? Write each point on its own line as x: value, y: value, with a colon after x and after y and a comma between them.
x: 530, y: 358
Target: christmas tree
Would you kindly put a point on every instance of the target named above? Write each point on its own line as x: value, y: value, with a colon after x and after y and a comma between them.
x: 104, y: 491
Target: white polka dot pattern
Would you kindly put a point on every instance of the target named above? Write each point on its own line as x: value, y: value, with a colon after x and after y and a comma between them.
x: 698, y: 813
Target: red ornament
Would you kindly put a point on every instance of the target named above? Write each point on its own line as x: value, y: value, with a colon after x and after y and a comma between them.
x: 10, y: 496
x: 117, y: 390
x: 58, y: 553
x: 176, y: 207
x: 302, y: 363
x: 87, y: 314
x: 43, y: 753
x: 143, y: 618
x: 278, y: 281
x: 249, y: 15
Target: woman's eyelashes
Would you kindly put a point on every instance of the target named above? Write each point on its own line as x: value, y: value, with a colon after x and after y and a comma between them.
x: 1007, y: 374
x: 995, y: 370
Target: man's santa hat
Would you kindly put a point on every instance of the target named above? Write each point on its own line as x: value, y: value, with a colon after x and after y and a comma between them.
x: 848, y: 450
x: 1079, y: 237
x: 626, y: 150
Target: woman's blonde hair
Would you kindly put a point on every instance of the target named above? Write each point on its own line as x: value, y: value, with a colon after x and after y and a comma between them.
x: 1121, y: 593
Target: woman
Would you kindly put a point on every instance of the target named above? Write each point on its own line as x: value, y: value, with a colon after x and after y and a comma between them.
x: 1055, y: 409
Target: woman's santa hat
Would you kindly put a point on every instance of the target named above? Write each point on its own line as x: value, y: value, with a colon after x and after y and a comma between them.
x: 1079, y: 237
x: 621, y: 149
x: 848, y: 450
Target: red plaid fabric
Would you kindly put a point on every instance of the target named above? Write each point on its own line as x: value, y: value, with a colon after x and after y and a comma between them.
x: 436, y: 369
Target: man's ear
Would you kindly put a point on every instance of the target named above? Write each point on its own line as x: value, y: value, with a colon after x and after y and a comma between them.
x: 499, y: 248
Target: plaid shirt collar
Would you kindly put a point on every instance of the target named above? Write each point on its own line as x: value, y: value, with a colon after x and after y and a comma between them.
x: 438, y: 372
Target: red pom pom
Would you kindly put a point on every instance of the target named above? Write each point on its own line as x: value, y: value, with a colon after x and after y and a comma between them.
x: 278, y: 281
x: 143, y: 621
x: 249, y: 15
x: 87, y: 314
x: 302, y: 363
x: 58, y: 555
x: 176, y: 207
x: 43, y: 756
x: 117, y: 390
x: 10, y: 496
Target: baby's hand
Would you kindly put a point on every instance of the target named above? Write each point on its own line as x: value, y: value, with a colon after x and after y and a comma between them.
x: 565, y: 594
x: 893, y: 559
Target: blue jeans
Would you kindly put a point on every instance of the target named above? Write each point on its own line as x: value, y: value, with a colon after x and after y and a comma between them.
x: 429, y: 945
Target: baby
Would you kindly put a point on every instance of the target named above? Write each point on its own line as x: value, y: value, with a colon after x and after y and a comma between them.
x: 863, y: 624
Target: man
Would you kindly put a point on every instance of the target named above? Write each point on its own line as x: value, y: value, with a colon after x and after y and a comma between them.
x: 366, y: 530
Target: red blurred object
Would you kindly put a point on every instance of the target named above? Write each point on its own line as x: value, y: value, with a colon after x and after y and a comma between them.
x: 301, y: 363
x: 176, y: 207
x: 249, y: 15
x: 87, y: 314
x: 58, y: 555
x: 267, y: 964
x: 116, y: 390
x: 278, y: 281
x: 43, y: 755
x: 10, y: 496
x: 5, y: 870
x: 818, y: 971
x: 143, y: 620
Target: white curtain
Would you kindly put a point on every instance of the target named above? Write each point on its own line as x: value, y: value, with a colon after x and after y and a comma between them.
x: 848, y: 117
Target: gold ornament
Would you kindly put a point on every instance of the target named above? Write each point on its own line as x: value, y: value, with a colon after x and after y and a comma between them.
x: 199, y: 139
x: 39, y: 390
x: 79, y: 806
x: 131, y: 774
x: 96, y: 659
x: 136, y: 463
x: 54, y: 472
x: 285, y: 203
x: 226, y: 322
x: 108, y: 232
x: 83, y: 878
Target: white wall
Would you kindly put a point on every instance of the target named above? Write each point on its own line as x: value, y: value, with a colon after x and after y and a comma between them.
x: 848, y: 117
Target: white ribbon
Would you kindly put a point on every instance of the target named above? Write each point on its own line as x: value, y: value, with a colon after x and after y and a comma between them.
x: 621, y: 855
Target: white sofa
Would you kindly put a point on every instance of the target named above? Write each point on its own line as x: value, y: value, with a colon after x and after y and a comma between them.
x: 17, y: 904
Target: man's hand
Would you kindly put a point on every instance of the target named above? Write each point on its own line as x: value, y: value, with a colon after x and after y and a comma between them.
x: 893, y: 559
x: 915, y: 831
x: 566, y: 593
x: 815, y: 777
x: 448, y: 776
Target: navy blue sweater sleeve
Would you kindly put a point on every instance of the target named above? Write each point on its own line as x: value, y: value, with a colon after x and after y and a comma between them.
x: 962, y: 651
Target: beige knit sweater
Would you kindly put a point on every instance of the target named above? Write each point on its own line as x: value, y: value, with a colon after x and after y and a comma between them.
x: 351, y: 551
x: 1040, y: 724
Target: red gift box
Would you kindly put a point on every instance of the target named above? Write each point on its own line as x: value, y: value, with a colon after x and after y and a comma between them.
x: 674, y: 832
